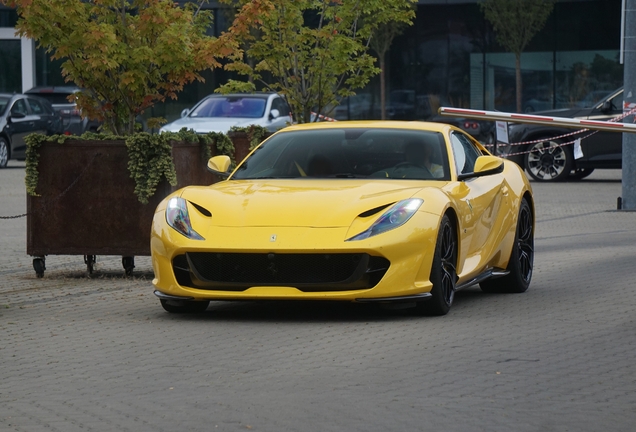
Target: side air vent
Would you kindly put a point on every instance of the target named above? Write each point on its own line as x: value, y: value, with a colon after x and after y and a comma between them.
x: 375, y: 210
x: 203, y: 211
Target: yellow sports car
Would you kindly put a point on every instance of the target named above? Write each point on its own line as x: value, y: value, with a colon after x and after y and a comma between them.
x: 374, y: 211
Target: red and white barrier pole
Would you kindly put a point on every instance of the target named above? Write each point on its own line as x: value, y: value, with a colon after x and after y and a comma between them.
x: 611, y: 126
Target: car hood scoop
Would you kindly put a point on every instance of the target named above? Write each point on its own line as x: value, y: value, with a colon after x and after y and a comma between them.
x: 308, y: 203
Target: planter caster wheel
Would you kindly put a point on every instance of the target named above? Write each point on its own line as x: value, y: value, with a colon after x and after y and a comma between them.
x: 38, y: 266
x: 89, y: 260
x: 129, y: 264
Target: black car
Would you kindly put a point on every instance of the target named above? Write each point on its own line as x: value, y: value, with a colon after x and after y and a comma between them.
x: 72, y: 121
x: 548, y: 153
x: 21, y: 115
x: 483, y: 131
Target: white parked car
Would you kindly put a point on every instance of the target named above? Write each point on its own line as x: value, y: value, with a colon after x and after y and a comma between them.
x: 218, y: 113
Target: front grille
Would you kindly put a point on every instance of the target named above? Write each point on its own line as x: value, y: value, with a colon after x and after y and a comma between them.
x: 307, y: 272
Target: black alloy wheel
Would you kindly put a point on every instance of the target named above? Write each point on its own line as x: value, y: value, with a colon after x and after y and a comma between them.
x: 443, y: 273
x: 521, y: 261
x: 549, y: 161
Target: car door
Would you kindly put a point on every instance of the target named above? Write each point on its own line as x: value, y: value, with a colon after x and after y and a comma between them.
x: 479, y: 200
x: 279, y: 104
x: 604, y: 148
x: 41, y: 118
x: 21, y: 124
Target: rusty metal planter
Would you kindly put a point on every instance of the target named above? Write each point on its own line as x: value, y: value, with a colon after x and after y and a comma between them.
x: 87, y: 204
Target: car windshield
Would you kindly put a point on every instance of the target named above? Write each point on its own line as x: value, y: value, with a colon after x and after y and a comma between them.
x: 4, y: 101
x: 350, y: 153
x: 244, y: 107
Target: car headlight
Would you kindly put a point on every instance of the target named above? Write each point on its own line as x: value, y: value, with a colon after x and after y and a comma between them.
x: 178, y: 218
x: 394, y: 217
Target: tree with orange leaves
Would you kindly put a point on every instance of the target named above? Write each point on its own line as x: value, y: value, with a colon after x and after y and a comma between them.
x: 126, y: 55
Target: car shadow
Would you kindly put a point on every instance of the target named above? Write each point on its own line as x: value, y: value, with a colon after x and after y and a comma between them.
x: 275, y: 311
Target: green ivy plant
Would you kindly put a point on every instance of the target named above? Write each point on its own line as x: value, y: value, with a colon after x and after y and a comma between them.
x: 150, y: 160
x: 35, y: 141
x: 149, y: 156
x: 220, y: 141
x: 256, y: 134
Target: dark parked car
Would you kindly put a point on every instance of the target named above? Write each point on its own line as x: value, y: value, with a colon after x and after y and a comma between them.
x: 72, y: 121
x: 546, y: 158
x: 483, y: 131
x: 21, y: 115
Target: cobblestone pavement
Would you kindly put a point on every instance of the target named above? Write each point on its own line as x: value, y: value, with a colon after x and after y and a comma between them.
x: 98, y: 353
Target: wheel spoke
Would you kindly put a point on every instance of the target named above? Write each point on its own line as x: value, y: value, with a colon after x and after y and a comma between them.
x: 449, y: 272
x: 448, y: 286
x: 546, y: 160
x: 525, y: 243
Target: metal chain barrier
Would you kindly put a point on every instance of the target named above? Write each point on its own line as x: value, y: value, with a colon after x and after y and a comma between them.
x: 580, y: 131
x: 64, y: 192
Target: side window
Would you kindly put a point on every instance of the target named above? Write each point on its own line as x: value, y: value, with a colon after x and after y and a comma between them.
x: 19, y: 107
x: 465, y: 153
x: 36, y: 107
x: 280, y: 105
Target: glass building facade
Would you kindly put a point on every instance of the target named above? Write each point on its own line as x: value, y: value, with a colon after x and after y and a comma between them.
x: 449, y: 57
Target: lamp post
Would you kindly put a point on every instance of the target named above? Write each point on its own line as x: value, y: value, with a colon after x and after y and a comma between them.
x: 628, y: 198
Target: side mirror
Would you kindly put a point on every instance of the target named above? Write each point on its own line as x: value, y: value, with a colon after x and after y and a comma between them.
x: 274, y: 114
x: 185, y: 112
x: 220, y: 165
x: 606, y: 107
x: 484, y: 165
x: 18, y: 115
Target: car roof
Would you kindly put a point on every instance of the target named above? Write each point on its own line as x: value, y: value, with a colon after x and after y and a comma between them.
x: 262, y: 95
x: 53, y: 89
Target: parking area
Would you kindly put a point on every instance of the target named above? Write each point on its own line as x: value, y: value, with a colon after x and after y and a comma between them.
x: 98, y: 353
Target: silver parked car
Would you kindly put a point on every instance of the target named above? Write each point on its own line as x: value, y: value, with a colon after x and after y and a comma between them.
x: 218, y: 113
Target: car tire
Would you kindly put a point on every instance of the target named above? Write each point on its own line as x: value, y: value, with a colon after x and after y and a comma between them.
x: 521, y: 260
x: 184, y: 306
x: 443, y: 272
x: 548, y: 161
x: 5, y: 153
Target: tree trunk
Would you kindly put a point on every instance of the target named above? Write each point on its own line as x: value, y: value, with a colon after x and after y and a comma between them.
x: 518, y: 80
x: 307, y: 116
x: 382, y: 88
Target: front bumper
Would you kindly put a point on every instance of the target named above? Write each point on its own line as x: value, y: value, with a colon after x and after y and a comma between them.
x: 390, y: 265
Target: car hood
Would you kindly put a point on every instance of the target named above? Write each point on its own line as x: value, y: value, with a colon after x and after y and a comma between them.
x: 304, y: 202
x: 209, y: 124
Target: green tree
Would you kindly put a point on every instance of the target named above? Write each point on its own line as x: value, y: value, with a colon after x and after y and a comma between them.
x: 311, y: 51
x: 126, y: 55
x: 516, y: 22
